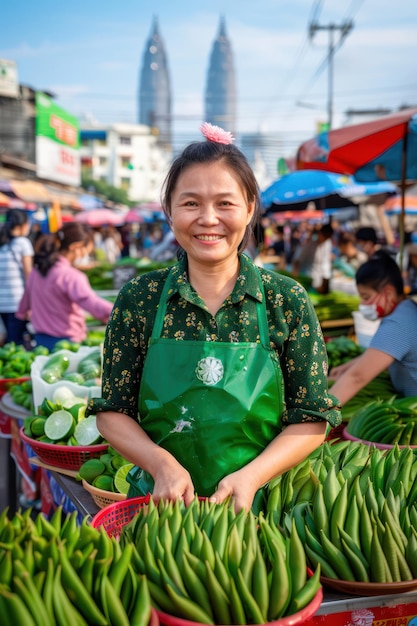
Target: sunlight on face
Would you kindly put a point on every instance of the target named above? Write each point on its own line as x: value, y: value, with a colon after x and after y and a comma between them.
x: 210, y: 212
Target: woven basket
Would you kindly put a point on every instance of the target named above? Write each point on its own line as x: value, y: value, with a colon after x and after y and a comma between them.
x: 64, y: 457
x: 102, y: 497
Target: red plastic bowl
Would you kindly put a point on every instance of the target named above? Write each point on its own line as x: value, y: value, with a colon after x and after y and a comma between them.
x: 290, y: 620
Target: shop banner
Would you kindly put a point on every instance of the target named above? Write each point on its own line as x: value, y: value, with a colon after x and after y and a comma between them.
x: 399, y: 613
x: 57, y: 143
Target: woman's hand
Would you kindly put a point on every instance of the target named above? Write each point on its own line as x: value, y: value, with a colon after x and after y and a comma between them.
x: 237, y: 487
x: 337, y: 371
x: 173, y: 482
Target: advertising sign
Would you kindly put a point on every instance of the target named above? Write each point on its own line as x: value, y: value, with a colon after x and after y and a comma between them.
x: 57, y: 143
x: 9, y: 84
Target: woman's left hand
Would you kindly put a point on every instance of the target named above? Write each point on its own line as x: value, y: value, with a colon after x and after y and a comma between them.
x: 236, y: 487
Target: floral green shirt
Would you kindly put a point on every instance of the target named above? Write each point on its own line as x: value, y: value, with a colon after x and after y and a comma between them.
x: 295, y: 335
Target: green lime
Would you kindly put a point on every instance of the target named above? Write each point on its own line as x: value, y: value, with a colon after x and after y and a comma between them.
x: 118, y: 461
x: 77, y: 410
x: 120, y: 483
x: 59, y: 425
x: 104, y: 482
x: 106, y: 458
x: 37, y: 426
x: 86, y: 431
x: 90, y: 469
x: 47, y: 407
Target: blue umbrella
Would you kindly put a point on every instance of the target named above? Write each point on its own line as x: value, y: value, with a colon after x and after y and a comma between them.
x: 303, y: 186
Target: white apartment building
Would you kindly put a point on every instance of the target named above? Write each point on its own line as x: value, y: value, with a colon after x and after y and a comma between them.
x: 127, y: 156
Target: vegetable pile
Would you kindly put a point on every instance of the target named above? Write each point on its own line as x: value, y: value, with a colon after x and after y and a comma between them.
x: 207, y: 564
x: 391, y: 422
x: 355, y: 510
x: 59, y: 572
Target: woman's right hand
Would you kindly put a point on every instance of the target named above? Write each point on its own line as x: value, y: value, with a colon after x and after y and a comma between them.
x: 172, y: 482
x: 337, y: 371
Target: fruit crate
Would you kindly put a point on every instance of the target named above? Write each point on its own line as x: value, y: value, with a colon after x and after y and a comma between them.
x: 64, y: 457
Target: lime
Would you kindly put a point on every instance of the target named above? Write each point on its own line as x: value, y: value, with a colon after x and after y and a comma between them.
x: 77, y: 410
x: 37, y: 426
x: 47, y: 407
x: 118, y: 461
x: 90, y: 469
x: 106, y: 458
x: 59, y: 425
x: 104, y: 482
x: 120, y: 483
x: 86, y: 431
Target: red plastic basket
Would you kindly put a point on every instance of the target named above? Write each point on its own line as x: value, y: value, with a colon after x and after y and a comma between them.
x: 117, y: 515
x: 296, y: 619
x: 65, y: 457
x: 6, y: 383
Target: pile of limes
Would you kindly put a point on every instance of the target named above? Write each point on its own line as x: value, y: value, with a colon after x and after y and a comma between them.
x: 108, y: 472
x: 63, y: 424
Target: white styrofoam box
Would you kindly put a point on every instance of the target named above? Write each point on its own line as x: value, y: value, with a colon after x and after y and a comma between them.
x: 42, y: 389
x: 364, y: 329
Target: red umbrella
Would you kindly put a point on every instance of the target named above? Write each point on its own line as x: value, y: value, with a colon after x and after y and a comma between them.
x: 383, y: 149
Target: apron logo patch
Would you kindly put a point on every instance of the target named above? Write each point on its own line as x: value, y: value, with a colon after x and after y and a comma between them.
x: 209, y: 370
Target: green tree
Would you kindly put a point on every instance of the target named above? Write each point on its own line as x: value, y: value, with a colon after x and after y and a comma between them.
x: 101, y: 188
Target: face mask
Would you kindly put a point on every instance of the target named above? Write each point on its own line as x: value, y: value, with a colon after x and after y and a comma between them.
x: 370, y: 312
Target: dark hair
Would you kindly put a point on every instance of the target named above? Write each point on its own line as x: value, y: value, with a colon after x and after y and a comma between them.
x: 380, y: 270
x: 212, y: 152
x: 48, y: 247
x: 14, y: 217
x: 366, y: 233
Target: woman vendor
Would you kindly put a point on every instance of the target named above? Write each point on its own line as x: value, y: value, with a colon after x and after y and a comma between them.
x: 214, y: 370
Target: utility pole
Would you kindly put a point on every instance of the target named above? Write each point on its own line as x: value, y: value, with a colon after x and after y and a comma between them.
x: 344, y: 29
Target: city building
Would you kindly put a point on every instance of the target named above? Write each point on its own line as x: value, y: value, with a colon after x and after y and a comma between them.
x: 154, y: 97
x: 220, y: 94
x: 126, y: 156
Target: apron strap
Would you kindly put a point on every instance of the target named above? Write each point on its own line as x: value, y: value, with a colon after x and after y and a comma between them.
x: 160, y: 311
x: 260, y: 310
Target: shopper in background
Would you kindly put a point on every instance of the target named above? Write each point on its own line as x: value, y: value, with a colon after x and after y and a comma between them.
x: 214, y: 370
x: 57, y: 294
x: 394, y: 346
x: 321, y: 267
x: 16, y: 261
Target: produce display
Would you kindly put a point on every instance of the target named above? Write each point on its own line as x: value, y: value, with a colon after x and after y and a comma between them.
x: 88, y: 368
x: 334, y: 305
x: 16, y: 361
x: 342, y: 349
x: 63, y: 422
x: 355, y: 510
x: 210, y: 565
x: 108, y: 472
x: 392, y: 421
x: 61, y: 573
x: 379, y: 387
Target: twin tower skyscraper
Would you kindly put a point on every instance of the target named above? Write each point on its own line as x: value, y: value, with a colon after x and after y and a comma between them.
x: 155, y: 98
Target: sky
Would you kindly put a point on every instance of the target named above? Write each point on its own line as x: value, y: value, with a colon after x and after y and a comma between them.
x: 89, y: 55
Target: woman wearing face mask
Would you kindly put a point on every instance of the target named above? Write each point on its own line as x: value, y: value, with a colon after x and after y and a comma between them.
x: 393, y: 347
x: 57, y: 294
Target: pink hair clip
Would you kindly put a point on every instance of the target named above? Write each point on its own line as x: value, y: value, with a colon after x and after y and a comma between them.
x: 215, y: 133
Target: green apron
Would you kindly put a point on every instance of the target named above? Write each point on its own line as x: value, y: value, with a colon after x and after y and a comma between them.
x: 214, y: 405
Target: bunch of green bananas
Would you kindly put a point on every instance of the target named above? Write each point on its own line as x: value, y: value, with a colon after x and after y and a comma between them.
x: 390, y: 422
x: 355, y: 510
x: 207, y: 564
x: 58, y: 572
